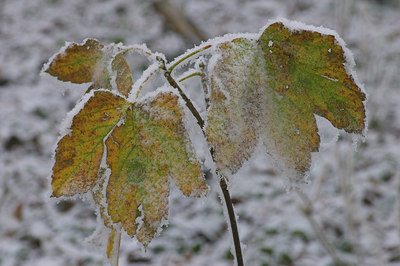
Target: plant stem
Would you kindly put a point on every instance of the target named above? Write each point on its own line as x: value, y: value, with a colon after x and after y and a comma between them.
x: 222, y: 180
x: 188, y: 56
x: 232, y: 220
x: 190, y: 76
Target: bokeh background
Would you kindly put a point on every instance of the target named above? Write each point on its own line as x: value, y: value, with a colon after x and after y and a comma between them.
x: 350, y: 210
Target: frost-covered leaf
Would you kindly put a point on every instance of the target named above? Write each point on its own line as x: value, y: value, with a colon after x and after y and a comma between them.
x: 151, y: 147
x: 124, y: 78
x: 78, y: 154
x: 88, y: 62
x: 77, y: 62
x: 236, y: 104
x: 272, y: 88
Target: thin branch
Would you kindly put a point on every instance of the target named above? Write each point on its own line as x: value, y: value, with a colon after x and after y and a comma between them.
x: 222, y: 181
x: 232, y: 219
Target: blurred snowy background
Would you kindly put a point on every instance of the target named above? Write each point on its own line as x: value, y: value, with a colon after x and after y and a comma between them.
x: 350, y: 210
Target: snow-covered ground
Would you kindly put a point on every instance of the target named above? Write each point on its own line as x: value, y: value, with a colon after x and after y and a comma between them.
x: 355, y: 196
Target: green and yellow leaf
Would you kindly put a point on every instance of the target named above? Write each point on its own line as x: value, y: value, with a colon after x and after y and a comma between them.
x: 78, y: 63
x: 144, y: 153
x: 78, y: 154
x: 88, y: 62
x: 272, y: 88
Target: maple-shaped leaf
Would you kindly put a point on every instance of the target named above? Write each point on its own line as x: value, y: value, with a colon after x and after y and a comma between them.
x: 272, y: 88
x: 79, y: 153
x: 144, y: 153
x: 88, y: 62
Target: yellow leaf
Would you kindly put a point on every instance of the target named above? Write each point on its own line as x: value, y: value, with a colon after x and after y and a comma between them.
x: 78, y: 154
x: 77, y: 62
x: 88, y: 62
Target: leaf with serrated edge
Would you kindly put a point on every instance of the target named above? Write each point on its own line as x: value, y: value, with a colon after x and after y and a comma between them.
x: 78, y: 154
x: 78, y: 63
x: 290, y: 76
x: 143, y: 153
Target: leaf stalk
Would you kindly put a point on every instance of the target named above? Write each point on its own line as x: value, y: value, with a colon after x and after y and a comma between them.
x: 171, y: 68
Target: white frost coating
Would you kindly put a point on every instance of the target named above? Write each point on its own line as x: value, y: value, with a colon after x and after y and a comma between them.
x: 139, y: 220
x: 113, y: 74
x: 270, y: 43
x: 150, y: 96
x: 163, y: 223
x: 146, y: 75
x: 101, y: 184
x: 349, y: 64
x: 65, y: 127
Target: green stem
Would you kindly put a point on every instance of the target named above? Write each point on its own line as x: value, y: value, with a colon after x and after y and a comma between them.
x: 190, y: 76
x: 188, y: 56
